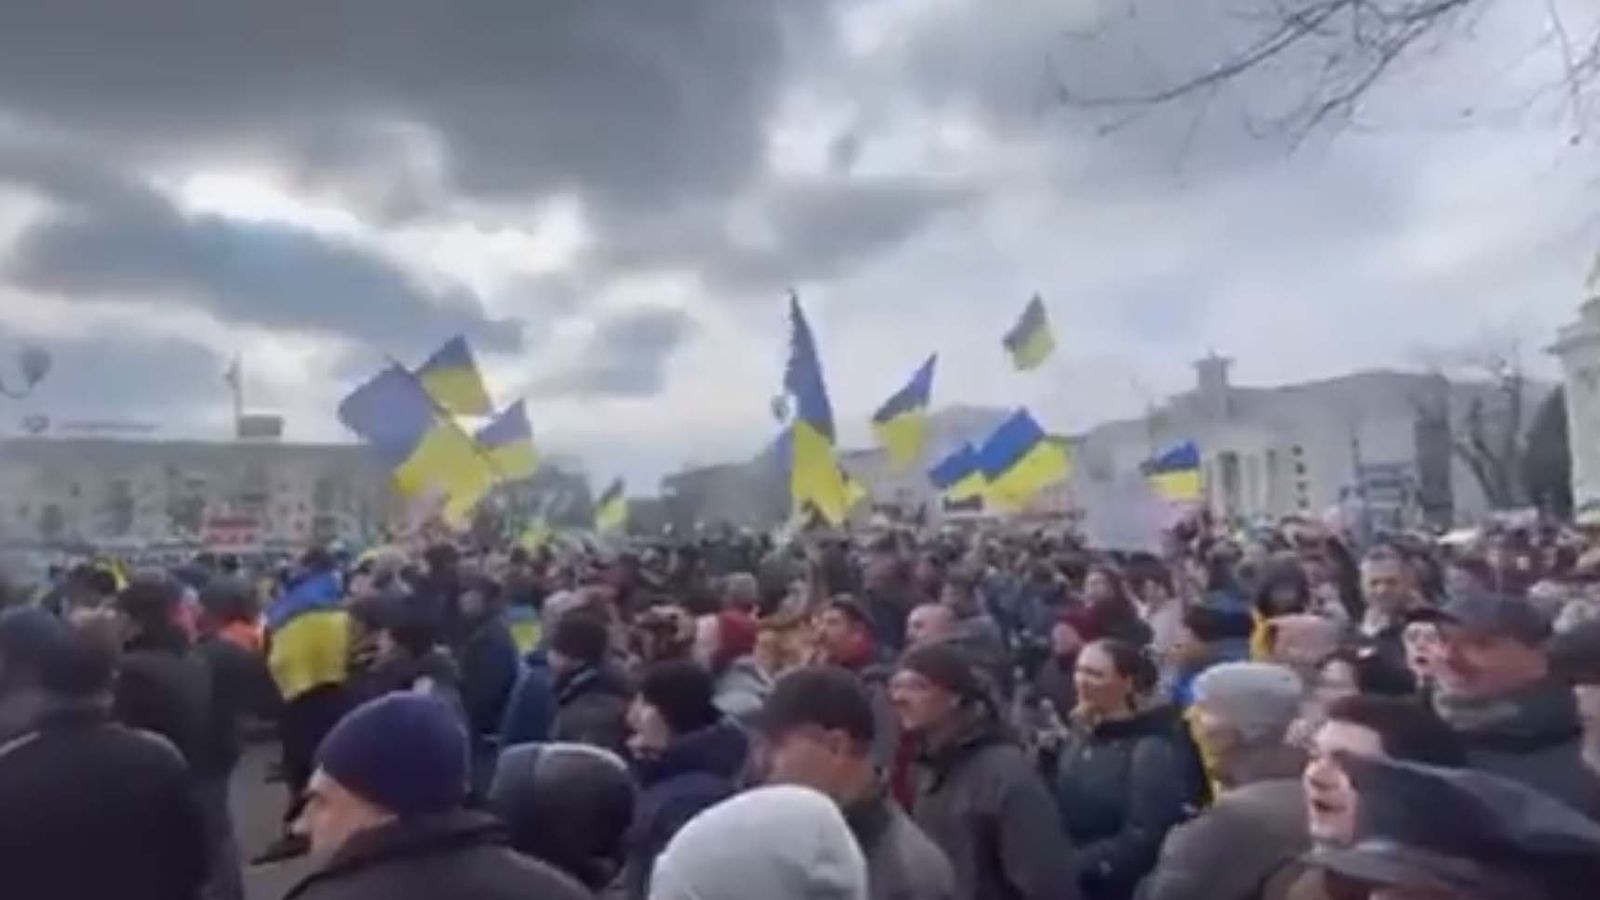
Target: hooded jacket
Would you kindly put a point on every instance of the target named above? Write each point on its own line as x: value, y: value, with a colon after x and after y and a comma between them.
x: 592, y: 708
x: 1533, y: 736
x: 696, y: 772
x: 979, y: 799
x: 742, y: 689
x: 461, y: 855
x: 1122, y: 786
x: 531, y: 709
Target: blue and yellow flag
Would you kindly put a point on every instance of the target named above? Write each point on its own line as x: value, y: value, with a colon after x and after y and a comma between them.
x: 902, y: 422
x: 611, y: 511
x: 452, y: 379
x: 508, y: 440
x: 1030, y: 342
x: 1175, y: 474
x: 426, y: 451
x: 959, y: 476
x: 1019, y: 460
x: 814, y: 473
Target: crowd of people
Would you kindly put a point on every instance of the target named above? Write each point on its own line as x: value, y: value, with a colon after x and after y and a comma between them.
x: 965, y: 713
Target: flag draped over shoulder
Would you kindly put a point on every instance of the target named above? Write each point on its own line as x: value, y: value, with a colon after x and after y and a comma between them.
x: 451, y: 378
x: 1019, y: 460
x: 901, y: 424
x: 960, y: 475
x: 1030, y: 342
x: 611, y: 512
x: 508, y: 441
x: 425, y: 450
x: 1175, y: 474
x: 814, y: 473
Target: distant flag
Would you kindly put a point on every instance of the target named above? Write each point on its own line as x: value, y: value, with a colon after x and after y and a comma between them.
x: 611, y: 512
x: 452, y: 379
x: 426, y: 452
x: 959, y: 476
x: 508, y: 441
x: 854, y: 492
x: 814, y: 473
x: 902, y: 422
x: 1030, y: 342
x: 1019, y: 460
x: 234, y: 376
x: 1175, y: 474
x: 536, y: 535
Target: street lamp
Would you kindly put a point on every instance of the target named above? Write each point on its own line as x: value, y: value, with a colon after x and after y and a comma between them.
x: 34, y: 363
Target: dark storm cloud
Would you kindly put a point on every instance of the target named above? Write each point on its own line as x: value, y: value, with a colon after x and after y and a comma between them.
x: 635, y: 105
x: 109, y: 374
x: 626, y: 356
x: 110, y: 239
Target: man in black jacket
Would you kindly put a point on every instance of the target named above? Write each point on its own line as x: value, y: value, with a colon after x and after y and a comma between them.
x: 385, y: 815
x: 93, y: 809
x: 592, y: 697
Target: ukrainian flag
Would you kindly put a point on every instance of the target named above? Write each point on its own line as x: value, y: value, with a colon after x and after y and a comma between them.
x: 611, y: 513
x: 308, y: 635
x: 452, y: 379
x: 426, y: 451
x: 902, y: 423
x: 1019, y: 460
x: 508, y: 440
x: 1175, y: 474
x: 814, y: 473
x: 1030, y: 342
x: 536, y: 535
x: 959, y: 476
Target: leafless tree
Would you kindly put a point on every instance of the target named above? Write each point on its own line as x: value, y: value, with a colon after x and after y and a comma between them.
x: 1341, y: 50
x: 1489, y: 435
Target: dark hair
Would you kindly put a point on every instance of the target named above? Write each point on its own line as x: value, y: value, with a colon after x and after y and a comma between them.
x: 683, y: 692
x: 318, y: 560
x: 1375, y: 674
x: 581, y: 635
x: 228, y: 599
x: 850, y: 609
x: 1145, y: 569
x: 1210, y: 624
x: 151, y: 601
x: 1283, y: 573
x: 1130, y: 662
x: 1408, y: 731
x: 409, y: 627
x: 825, y: 696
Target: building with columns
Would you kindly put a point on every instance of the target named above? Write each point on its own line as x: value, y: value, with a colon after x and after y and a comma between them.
x: 1577, y: 346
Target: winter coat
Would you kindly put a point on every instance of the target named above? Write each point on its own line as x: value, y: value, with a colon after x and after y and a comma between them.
x: 460, y: 855
x: 742, y: 689
x: 434, y: 673
x: 902, y: 863
x: 979, y: 799
x: 531, y: 709
x: 695, y: 773
x: 592, y: 708
x: 166, y: 689
x: 240, y: 686
x: 1054, y: 683
x: 1122, y: 786
x: 1250, y: 839
x: 488, y: 675
x: 95, y: 809
x: 1533, y: 737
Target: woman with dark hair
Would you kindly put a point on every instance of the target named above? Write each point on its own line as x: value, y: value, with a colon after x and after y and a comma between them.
x: 1283, y: 590
x: 1110, y: 607
x: 1121, y: 781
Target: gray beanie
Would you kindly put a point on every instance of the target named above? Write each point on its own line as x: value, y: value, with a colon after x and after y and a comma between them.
x: 776, y: 843
x: 1261, y: 700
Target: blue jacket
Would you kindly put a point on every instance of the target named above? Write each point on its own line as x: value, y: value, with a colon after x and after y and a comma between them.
x: 695, y: 773
x: 488, y: 676
x: 531, y: 711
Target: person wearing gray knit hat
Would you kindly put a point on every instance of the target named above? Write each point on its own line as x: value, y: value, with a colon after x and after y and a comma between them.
x: 1251, y: 837
x: 776, y: 843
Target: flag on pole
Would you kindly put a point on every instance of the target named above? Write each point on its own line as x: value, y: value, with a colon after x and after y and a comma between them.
x: 1030, y: 342
x: 452, y: 379
x: 611, y: 512
x: 508, y: 440
x: 902, y: 422
x: 815, y: 476
x: 1175, y: 474
x: 425, y: 451
x: 959, y: 476
x: 1019, y: 460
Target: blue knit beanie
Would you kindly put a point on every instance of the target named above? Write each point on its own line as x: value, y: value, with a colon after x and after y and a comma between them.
x: 406, y: 753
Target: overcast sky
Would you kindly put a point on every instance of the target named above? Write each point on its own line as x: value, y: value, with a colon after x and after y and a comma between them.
x: 611, y: 199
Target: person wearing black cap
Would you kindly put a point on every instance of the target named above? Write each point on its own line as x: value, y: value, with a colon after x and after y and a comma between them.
x: 1497, y: 690
x: 687, y: 755
x: 385, y: 815
x: 977, y: 795
x: 569, y: 805
x: 819, y: 727
x: 93, y: 808
x: 1425, y: 833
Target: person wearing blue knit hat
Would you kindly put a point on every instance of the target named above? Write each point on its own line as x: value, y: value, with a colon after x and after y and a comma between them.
x: 385, y: 812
